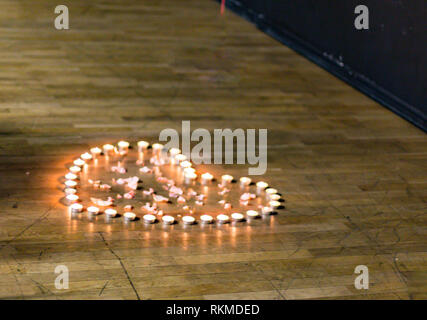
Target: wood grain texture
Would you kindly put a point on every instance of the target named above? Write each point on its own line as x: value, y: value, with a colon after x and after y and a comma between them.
x: 353, y: 174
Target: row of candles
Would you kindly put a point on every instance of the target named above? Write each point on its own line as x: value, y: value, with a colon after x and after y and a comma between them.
x: 189, y: 176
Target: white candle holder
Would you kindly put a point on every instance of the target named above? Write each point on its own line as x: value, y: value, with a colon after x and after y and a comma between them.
x: 72, y: 198
x: 179, y: 158
x: 157, y: 147
x: 266, y: 211
x: 111, y: 213
x: 69, y: 191
x: 252, y: 214
x: 70, y: 183
x: 190, y: 178
x: 245, y: 181
x: 274, y: 197
x: 174, y: 152
x: 86, y: 156
x: 274, y: 204
x: 237, y: 217
x: 93, y: 210
x: 75, y: 169
x: 207, y: 178
x: 71, y: 176
x: 142, y: 146
x: 123, y: 146
x: 226, y: 178
x: 95, y: 152
x: 261, y: 186
x: 79, y: 162
x: 108, y: 148
x: 129, y: 216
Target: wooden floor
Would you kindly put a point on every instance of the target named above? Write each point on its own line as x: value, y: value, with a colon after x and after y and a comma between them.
x: 354, y: 175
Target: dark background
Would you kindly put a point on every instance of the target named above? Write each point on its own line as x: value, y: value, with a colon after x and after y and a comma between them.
x: 386, y: 62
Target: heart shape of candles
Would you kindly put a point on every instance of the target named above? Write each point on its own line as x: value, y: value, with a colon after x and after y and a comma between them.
x: 166, y: 182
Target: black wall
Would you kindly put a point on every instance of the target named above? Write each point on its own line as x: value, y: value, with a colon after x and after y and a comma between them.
x: 388, y: 62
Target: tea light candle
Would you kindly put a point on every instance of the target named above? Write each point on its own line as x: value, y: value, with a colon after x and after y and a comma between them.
x: 260, y: 186
x: 188, y: 220
x: 252, y: 214
x: 226, y: 179
x: 123, y: 145
x: 108, y: 148
x: 70, y: 176
x: 93, y: 210
x: 266, y: 210
x: 274, y: 204
x: 245, y: 181
x: 270, y: 191
x: 70, y: 183
x: 168, y: 219
x: 79, y: 162
x: 206, y: 218
x: 149, y: 218
x: 190, y: 177
x: 86, y: 156
x: 206, y: 178
x: 157, y: 147
x: 130, y: 216
x: 179, y: 158
x: 76, y: 208
x: 189, y: 170
x: 185, y: 164
x: 142, y: 145
x: 72, y: 198
x: 174, y: 152
x: 110, y: 212
x: 274, y: 197
x: 237, y: 217
x: 222, y: 218
x: 75, y: 169
x: 70, y: 191
x: 95, y: 152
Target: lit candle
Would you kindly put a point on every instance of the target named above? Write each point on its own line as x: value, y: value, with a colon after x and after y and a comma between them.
x: 260, y: 186
x: 274, y: 204
x: 245, y: 181
x: 252, y: 214
x: 70, y: 176
x: 266, y: 210
x: 123, y: 145
x: 237, y: 217
x: 76, y: 208
x: 226, y: 178
x: 110, y: 212
x: 129, y: 216
x: 157, y: 147
x: 70, y: 183
x: 149, y: 218
x: 270, y: 191
x: 168, y: 219
x: 188, y: 220
x: 72, y: 198
x: 70, y: 191
x: 206, y: 178
x: 174, y: 152
x: 75, y: 169
x: 222, y: 218
x: 189, y: 170
x: 86, y: 156
x: 274, y: 197
x: 95, y: 152
x: 93, y: 210
x: 108, y: 148
x: 190, y: 177
x: 142, y: 145
x: 206, y: 218
x: 185, y: 164
x: 179, y: 158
